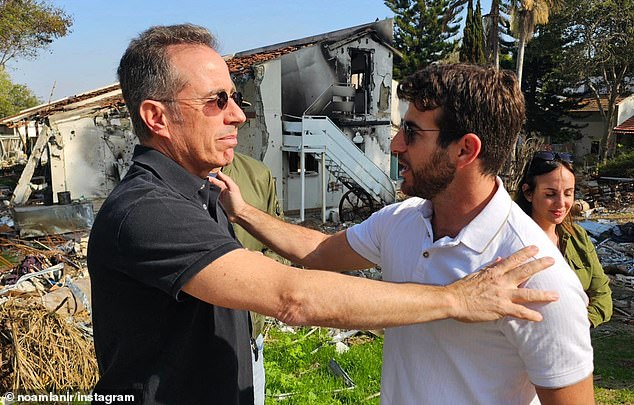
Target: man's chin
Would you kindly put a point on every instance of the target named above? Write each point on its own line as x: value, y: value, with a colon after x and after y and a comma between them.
x: 411, y: 191
x: 406, y: 189
x: 227, y: 156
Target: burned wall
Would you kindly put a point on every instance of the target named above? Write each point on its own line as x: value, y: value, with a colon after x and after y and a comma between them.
x: 90, y: 152
x: 306, y: 74
x: 366, y: 64
x: 261, y: 135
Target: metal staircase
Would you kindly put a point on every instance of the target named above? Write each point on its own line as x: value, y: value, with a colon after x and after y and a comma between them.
x: 317, y: 134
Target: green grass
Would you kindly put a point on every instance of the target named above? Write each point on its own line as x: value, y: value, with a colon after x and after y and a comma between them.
x: 297, y: 368
x: 297, y: 365
x: 614, y: 368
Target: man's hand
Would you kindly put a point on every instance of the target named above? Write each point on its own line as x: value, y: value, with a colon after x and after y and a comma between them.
x: 493, y: 292
x: 230, y: 195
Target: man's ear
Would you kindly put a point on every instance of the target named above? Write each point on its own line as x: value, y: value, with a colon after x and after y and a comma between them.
x: 527, y: 194
x: 469, y: 147
x: 153, y: 114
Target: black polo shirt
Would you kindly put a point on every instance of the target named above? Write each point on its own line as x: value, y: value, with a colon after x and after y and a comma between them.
x: 159, y: 227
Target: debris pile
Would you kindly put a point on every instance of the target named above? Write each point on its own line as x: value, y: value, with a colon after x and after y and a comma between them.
x: 45, y: 328
x: 42, y: 351
x: 612, y: 195
x: 615, y: 247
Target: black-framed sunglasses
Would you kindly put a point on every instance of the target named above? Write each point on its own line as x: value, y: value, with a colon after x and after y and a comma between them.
x: 409, y: 132
x: 221, y: 99
x: 550, y: 156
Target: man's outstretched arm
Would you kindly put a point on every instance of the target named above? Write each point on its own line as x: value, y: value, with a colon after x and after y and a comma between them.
x: 246, y: 280
x: 304, y: 246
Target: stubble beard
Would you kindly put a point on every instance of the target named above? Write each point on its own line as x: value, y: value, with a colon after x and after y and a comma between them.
x: 431, y: 179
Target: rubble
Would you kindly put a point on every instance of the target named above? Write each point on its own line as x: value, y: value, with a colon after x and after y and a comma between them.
x: 611, y: 193
x: 43, y: 351
x: 45, y: 333
x: 40, y: 220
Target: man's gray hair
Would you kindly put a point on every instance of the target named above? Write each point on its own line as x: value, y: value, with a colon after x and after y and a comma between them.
x: 145, y: 72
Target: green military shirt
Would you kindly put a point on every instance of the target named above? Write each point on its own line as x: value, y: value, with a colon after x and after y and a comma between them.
x: 257, y: 187
x: 581, y: 256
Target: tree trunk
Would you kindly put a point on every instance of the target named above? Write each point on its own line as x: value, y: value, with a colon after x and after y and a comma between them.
x: 520, y: 57
x: 603, y: 149
x: 608, y: 141
x: 494, y: 33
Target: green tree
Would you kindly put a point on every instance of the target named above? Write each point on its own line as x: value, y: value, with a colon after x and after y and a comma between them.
x: 27, y: 26
x: 14, y: 97
x: 472, y: 49
x: 601, y: 54
x: 547, y: 85
x: 423, y: 32
x: 480, y: 57
x: 468, y: 36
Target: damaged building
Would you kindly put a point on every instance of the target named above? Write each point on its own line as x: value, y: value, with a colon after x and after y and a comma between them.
x: 324, y: 104
x: 320, y: 117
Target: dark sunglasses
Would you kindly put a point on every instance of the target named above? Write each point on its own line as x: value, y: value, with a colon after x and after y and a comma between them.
x: 221, y: 99
x: 550, y: 156
x: 409, y: 132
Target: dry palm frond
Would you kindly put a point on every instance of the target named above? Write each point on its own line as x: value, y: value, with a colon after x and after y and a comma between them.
x: 41, y: 351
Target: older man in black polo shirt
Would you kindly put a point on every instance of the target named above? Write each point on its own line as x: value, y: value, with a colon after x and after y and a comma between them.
x: 170, y: 284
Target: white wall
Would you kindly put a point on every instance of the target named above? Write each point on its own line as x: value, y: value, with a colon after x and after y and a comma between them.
x: 84, y: 155
x: 626, y: 110
x: 313, y: 192
x: 591, y: 133
x: 270, y: 88
x: 261, y: 136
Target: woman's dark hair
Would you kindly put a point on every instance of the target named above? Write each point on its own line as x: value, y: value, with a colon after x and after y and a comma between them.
x: 537, y: 167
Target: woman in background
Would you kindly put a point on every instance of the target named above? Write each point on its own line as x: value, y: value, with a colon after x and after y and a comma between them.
x: 546, y: 193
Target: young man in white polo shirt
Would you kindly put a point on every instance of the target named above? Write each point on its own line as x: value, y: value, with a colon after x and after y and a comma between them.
x: 460, y: 127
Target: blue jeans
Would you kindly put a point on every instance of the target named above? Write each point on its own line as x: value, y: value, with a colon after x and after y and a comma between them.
x: 259, y: 377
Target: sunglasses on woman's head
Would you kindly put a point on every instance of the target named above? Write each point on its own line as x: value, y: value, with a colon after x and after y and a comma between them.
x: 550, y: 156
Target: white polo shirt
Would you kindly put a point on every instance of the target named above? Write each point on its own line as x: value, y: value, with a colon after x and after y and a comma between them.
x: 498, y: 362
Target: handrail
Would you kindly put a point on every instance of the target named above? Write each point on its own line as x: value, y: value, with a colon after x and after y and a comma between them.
x: 341, y: 150
x: 318, y: 99
x: 327, y: 93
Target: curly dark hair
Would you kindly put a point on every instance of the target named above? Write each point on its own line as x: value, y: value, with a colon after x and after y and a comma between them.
x: 472, y: 99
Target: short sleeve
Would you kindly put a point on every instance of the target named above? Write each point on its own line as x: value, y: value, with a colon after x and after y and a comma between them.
x: 164, y: 241
x: 557, y: 351
x: 365, y: 238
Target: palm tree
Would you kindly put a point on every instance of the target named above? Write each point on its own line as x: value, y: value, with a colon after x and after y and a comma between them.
x: 493, y: 33
x: 525, y: 15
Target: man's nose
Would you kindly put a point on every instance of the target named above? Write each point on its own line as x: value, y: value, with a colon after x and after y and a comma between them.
x: 398, y: 142
x: 235, y: 114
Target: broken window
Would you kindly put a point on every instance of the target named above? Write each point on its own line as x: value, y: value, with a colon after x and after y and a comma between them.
x: 360, y: 78
x: 294, y: 163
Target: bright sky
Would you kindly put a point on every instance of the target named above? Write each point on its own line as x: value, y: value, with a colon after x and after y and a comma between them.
x: 88, y: 57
